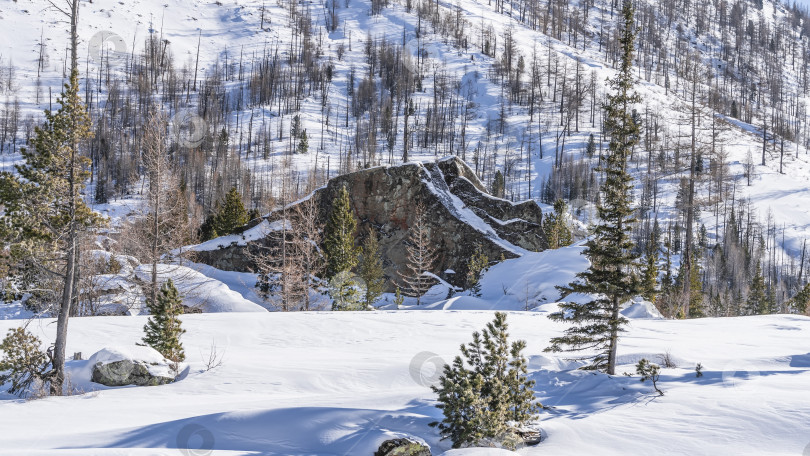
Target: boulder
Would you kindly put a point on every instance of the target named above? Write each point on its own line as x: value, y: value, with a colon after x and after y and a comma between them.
x: 461, y: 217
x: 140, y: 366
x: 402, y: 447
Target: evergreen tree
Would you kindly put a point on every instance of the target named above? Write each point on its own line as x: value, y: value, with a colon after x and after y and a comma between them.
x: 231, y: 215
x: 800, y: 301
x: 371, y: 269
x: 649, y: 275
x: 398, y: 298
x: 697, y: 309
x: 498, y: 184
x: 476, y: 265
x: 163, y: 328
x: 556, y: 226
x: 44, y: 209
x: 338, y: 244
x: 24, y: 362
x: 610, y: 277
x: 590, y: 148
x: 757, y: 302
x: 303, y: 143
x: 485, y: 393
x: 347, y: 292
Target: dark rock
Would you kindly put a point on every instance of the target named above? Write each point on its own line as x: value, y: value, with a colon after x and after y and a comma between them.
x: 460, y: 214
x: 126, y: 372
x: 402, y: 447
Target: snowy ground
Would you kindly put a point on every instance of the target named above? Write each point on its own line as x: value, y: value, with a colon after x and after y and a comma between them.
x: 339, y: 383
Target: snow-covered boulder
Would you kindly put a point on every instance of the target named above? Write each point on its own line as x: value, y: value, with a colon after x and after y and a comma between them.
x: 136, y: 365
x: 403, y: 447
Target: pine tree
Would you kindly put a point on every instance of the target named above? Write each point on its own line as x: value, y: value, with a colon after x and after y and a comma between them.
x: 697, y: 309
x: 163, y: 328
x: 476, y: 265
x: 303, y: 143
x: 556, y: 226
x: 649, y: 276
x: 485, y: 393
x: 802, y: 298
x: 23, y: 362
x: 338, y: 245
x: 398, y: 298
x: 371, y: 269
x: 590, y: 148
x: 231, y: 215
x: 757, y: 302
x: 44, y: 209
x: 610, y: 277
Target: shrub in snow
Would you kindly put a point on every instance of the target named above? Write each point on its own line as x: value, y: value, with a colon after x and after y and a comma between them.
x: 649, y: 371
x: 23, y: 362
x: 699, y: 370
x: 486, y: 399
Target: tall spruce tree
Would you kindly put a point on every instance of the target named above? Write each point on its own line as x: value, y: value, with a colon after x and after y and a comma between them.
x: 163, y: 329
x: 610, y: 279
x: 485, y: 394
x: 371, y: 269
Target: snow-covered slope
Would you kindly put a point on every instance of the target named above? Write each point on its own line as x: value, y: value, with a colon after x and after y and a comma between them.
x: 339, y: 383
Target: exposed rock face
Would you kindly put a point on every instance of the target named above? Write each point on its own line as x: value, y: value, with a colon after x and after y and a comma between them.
x: 402, y: 447
x: 460, y: 214
x: 127, y: 372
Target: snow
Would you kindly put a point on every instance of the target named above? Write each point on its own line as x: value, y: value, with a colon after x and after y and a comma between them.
x: 197, y: 290
x: 335, y: 383
x: 640, y: 308
x: 259, y: 231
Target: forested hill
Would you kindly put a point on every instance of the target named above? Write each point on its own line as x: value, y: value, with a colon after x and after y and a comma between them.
x: 274, y: 97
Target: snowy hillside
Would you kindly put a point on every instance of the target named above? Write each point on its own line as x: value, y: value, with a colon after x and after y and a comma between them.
x: 340, y: 383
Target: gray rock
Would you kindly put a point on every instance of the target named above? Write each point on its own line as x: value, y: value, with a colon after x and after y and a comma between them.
x: 402, y: 447
x: 461, y: 216
x: 126, y: 372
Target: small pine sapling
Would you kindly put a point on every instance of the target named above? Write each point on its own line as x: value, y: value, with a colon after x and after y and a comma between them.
x: 163, y: 328
x: 699, y: 370
x: 398, y: 298
x: 649, y: 371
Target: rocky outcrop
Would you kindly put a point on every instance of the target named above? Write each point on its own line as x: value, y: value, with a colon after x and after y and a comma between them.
x: 460, y: 213
x: 402, y: 447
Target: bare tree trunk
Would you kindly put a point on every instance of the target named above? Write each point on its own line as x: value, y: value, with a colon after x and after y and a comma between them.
x: 72, y: 240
